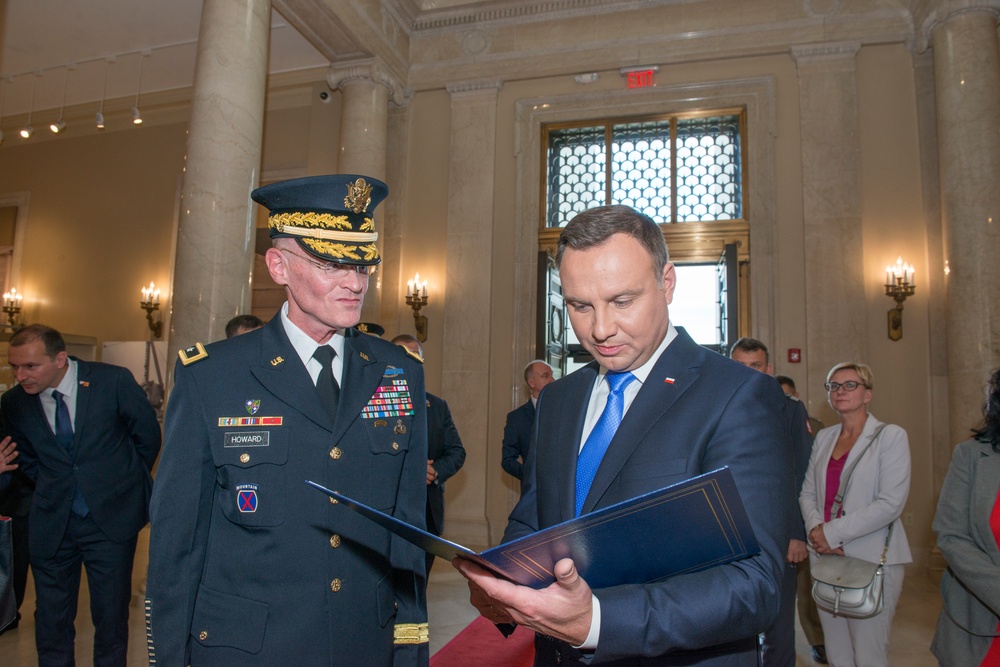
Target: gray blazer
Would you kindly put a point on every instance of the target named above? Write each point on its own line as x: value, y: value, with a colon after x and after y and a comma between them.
x: 971, y: 585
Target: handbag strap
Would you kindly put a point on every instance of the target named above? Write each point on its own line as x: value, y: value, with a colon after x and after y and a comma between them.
x: 845, y: 476
x: 838, y: 500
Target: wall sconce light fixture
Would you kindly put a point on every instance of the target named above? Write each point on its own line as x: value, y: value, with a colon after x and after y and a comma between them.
x: 899, y: 285
x: 150, y: 303
x: 416, y: 298
x: 12, y: 306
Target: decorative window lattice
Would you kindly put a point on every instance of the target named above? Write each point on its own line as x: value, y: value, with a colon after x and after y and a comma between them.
x: 708, y: 179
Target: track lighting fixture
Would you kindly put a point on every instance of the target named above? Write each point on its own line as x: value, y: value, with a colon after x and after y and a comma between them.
x: 28, y: 130
x: 99, y: 118
x: 59, y: 125
x: 136, y: 116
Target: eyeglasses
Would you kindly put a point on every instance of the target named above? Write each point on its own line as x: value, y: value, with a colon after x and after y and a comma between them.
x: 334, y: 270
x: 850, y: 385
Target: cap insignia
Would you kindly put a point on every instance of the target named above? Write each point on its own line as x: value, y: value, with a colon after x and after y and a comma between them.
x: 359, y: 195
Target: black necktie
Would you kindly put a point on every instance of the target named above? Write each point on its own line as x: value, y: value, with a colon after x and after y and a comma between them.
x: 329, y: 390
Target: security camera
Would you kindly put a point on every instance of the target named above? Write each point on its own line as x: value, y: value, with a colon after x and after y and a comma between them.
x: 324, y: 96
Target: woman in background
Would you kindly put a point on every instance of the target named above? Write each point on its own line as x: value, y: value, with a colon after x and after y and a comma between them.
x: 873, y: 501
x: 967, y: 524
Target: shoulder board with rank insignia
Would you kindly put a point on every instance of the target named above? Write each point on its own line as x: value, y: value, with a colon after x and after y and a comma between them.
x: 412, y: 353
x: 192, y: 354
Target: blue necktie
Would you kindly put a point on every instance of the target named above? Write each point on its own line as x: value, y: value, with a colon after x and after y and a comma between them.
x: 64, y: 434
x: 599, y: 439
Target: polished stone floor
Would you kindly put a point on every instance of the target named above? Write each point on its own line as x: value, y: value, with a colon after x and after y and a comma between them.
x: 449, y: 612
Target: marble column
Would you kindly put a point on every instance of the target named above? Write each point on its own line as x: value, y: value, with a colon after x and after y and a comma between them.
x: 836, y: 326
x: 466, y: 328
x: 367, y: 88
x: 213, y: 270
x: 967, y: 94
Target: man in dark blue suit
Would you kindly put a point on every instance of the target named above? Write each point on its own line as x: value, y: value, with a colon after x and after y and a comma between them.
x: 520, y: 422
x: 778, y: 641
x: 248, y: 565
x: 687, y: 411
x: 445, y: 452
x: 88, y: 437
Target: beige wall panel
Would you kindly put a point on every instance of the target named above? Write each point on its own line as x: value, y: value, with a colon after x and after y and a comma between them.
x: 101, y: 225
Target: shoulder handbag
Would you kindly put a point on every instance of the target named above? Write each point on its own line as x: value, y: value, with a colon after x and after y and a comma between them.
x: 845, y: 586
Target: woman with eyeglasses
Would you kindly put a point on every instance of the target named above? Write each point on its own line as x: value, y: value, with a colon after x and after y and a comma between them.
x: 967, y: 524
x: 873, y: 501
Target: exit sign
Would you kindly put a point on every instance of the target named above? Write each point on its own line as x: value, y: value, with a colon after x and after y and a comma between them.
x: 640, y: 78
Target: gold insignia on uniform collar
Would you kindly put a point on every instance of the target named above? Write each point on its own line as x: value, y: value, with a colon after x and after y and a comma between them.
x: 277, y: 360
x: 192, y: 354
x: 359, y: 195
x: 363, y: 356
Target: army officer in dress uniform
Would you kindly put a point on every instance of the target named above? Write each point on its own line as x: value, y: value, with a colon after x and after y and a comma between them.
x: 249, y: 565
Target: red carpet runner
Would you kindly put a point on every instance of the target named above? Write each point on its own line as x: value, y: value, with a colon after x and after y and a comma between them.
x: 480, y: 644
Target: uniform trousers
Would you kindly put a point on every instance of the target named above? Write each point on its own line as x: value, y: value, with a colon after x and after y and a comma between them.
x: 808, y: 615
x: 864, y: 642
x: 57, y: 589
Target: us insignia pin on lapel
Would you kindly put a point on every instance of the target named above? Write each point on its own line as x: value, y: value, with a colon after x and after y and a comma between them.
x: 363, y: 356
x: 276, y: 361
x: 253, y: 405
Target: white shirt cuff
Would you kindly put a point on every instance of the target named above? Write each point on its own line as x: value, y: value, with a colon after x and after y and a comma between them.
x: 590, y: 643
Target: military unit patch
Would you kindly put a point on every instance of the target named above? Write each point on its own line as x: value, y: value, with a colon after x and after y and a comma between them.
x: 253, y: 406
x: 391, y: 400
x: 246, y: 497
x: 250, y: 421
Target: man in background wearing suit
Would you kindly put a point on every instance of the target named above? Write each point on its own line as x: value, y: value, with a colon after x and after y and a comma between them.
x: 88, y: 437
x: 517, y: 430
x: 687, y: 411
x: 778, y: 641
x: 248, y: 564
x: 445, y: 453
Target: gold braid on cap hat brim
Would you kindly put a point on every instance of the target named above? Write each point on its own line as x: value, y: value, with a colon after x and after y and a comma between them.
x: 323, y: 226
x: 368, y: 252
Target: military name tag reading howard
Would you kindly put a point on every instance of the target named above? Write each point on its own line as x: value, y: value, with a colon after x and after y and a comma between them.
x: 237, y: 439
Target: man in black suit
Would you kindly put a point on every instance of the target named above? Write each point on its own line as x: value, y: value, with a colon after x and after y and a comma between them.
x: 249, y: 565
x: 88, y: 437
x: 445, y: 453
x: 687, y: 411
x: 520, y: 422
x: 778, y: 641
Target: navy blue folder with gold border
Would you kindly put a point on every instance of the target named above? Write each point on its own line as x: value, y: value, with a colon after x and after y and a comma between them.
x: 693, y: 525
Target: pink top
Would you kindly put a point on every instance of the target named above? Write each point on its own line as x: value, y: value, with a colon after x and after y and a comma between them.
x: 992, y: 657
x: 833, y: 472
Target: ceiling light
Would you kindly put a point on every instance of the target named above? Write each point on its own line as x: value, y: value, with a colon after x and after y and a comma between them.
x: 28, y: 130
x: 136, y: 116
x: 99, y: 118
x: 60, y: 125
